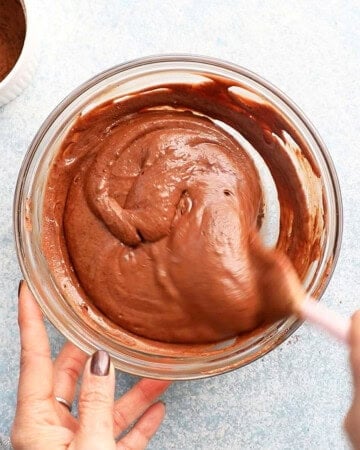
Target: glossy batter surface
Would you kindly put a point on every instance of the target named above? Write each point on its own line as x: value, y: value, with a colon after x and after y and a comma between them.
x: 154, y: 210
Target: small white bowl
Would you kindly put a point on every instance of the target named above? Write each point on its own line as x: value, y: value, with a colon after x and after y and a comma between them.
x: 20, y: 76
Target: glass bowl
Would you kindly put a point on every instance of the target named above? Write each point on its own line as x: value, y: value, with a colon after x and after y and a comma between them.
x: 62, y: 306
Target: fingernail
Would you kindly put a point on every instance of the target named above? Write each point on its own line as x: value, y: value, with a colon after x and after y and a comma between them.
x: 100, y: 363
x: 19, y: 288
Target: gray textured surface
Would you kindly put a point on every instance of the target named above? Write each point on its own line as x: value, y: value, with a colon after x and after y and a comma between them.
x: 296, y: 397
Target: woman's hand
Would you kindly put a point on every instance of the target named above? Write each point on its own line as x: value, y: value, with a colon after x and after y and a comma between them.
x: 352, y: 422
x: 41, y: 422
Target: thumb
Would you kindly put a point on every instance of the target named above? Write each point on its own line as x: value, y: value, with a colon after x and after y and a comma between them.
x: 355, y: 352
x: 96, y: 403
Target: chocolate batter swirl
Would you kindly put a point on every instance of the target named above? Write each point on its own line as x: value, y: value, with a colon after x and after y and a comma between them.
x: 154, y: 211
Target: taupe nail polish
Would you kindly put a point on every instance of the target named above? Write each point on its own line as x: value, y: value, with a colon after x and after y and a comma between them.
x: 19, y: 288
x: 100, y: 363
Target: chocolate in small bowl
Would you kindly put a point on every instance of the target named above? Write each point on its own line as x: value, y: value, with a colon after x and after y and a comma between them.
x: 18, y: 47
x: 12, y: 35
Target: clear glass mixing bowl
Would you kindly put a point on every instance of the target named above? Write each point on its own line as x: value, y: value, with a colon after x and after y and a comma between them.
x: 167, y: 362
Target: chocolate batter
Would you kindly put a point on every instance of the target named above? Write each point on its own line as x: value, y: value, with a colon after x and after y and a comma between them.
x: 12, y: 34
x: 153, y: 210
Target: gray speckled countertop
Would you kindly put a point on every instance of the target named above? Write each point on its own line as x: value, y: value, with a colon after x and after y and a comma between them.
x: 296, y: 397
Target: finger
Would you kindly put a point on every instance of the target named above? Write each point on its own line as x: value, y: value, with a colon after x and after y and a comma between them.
x: 36, y: 370
x: 96, y: 402
x: 351, y: 425
x: 355, y: 351
x: 133, y: 404
x: 68, y: 367
x: 139, y: 436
